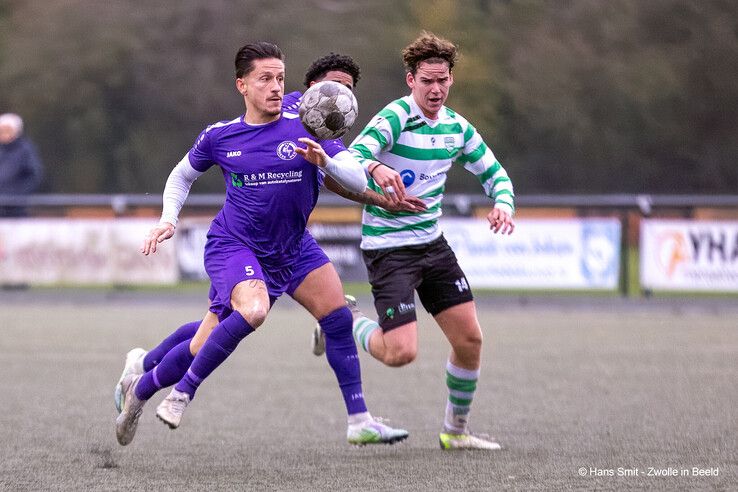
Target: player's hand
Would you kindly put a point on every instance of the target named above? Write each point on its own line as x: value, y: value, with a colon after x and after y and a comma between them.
x: 390, y: 181
x: 313, y: 152
x: 157, y: 234
x: 409, y: 204
x: 500, y: 221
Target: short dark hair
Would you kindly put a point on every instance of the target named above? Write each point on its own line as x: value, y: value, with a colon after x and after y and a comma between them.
x: 430, y: 48
x: 255, y: 51
x: 332, y: 61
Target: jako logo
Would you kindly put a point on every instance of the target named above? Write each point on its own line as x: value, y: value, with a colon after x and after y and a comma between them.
x: 408, y: 177
x: 286, y: 150
x: 233, y: 153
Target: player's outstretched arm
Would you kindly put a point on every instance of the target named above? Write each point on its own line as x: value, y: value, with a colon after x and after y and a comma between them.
x: 389, y: 180
x: 370, y: 197
x: 343, y: 167
x: 176, y: 190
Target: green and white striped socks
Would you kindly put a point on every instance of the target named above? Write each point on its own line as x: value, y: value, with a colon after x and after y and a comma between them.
x: 363, y: 329
x: 461, y: 386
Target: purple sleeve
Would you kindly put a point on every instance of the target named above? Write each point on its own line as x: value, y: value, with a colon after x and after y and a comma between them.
x: 201, y: 153
x: 332, y: 147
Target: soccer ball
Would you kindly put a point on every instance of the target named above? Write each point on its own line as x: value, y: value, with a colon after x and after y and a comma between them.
x: 328, y: 109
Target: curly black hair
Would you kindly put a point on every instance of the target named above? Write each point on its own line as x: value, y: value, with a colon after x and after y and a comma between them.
x: 332, y: 61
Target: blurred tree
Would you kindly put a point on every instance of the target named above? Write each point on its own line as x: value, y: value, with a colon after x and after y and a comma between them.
x: 573, y: 96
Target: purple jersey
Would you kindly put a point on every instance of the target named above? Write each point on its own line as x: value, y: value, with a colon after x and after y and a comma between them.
x: 291, y: 102
x: 270, y: 189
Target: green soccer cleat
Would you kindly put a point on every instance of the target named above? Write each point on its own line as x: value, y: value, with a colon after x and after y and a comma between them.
x: 467, y: 441
x: 374, y: 431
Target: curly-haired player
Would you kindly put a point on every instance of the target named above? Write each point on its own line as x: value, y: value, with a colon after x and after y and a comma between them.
x: 410, y: 145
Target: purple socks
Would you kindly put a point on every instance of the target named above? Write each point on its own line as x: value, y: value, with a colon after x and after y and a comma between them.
x: 170, y: 370
x: 155, y: 355
x: 222, y: 341
x: 340, y: 350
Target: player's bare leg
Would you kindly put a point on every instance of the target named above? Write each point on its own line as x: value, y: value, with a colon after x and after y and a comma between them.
x: 321, y: 293
x: 397, y: 347
x: 250, y: 302
x: 461, y: 327
x: 203, y: 332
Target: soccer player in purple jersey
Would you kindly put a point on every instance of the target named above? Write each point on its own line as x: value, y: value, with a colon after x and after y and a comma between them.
x: 250, y: 257
x: 334, y: 67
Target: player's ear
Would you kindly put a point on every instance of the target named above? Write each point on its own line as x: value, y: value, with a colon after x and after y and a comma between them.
x: 410, y: 79
x: 241, y: 86
x: 312, y: 83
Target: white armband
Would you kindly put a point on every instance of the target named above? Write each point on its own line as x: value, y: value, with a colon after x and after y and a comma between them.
x: 347, y: 171
x: 177, y: 188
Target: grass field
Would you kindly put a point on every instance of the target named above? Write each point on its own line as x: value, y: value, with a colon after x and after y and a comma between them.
x: 611, y: 386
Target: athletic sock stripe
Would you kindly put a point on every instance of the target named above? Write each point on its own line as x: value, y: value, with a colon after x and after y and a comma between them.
x: 461, y: 394
x: 461, y: 373
x: 459, y: 402
x: 362, y: 323
x: 365, y: 338
x: 466, y: 385
x: 194, y: 376
x: 155, y: 377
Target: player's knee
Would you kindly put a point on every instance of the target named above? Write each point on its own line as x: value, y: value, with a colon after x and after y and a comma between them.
x: 400, y: 356
x: 255, y: 314
x: 469, y: 343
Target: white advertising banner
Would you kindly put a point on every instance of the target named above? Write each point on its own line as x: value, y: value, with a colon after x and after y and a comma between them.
x: 540, y: 254
x: 82, y: 251
x: 689, y: 255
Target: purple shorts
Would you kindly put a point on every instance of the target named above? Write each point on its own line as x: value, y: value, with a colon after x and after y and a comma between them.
x: 229, y: 261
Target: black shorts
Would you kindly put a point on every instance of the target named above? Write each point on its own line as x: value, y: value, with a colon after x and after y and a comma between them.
x: 396, y: 273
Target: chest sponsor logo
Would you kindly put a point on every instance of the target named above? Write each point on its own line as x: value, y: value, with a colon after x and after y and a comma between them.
x: 286, y: 150
x: 408, y: 177
x: 240, y: 180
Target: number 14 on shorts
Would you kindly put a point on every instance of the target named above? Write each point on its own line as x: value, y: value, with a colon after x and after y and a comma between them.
x: 461, y: 284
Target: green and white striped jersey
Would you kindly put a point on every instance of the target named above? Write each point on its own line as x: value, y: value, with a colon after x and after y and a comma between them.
x: 422, y: 151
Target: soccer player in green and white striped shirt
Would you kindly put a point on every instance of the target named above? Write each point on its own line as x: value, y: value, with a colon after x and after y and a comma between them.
x: 408, y: 148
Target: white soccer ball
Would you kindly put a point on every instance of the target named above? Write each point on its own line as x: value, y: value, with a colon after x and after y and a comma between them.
x: 328, y: 109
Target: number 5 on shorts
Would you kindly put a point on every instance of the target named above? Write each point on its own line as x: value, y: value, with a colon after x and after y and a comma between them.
x: 249, y: 270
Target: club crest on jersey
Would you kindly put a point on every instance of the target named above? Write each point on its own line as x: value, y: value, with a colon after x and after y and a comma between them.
x: 449, y: 143
x: 286, y: 150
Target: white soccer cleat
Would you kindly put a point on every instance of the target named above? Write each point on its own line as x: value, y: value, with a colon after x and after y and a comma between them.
x: 318, y: 340
x: 467, y: 441
x: 171, y: 409
x: 353, y: 306
x: 133, y: 365
x: 374, y: 431
x: 127, y: 421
